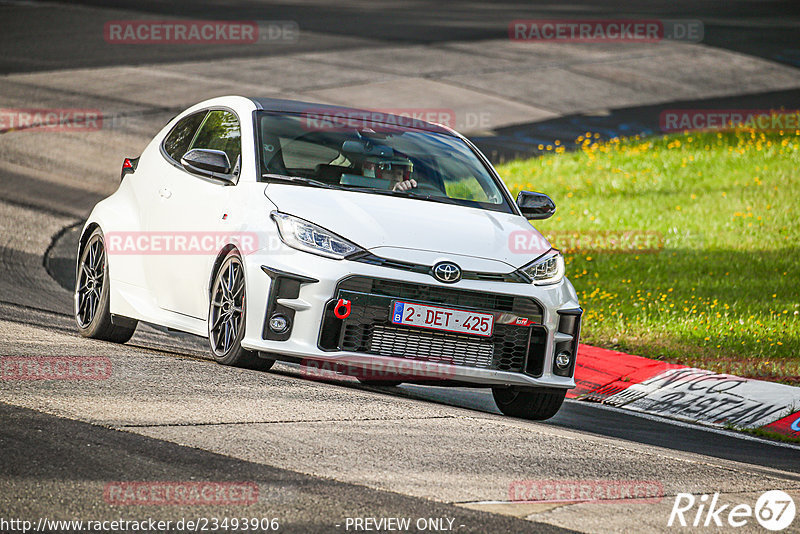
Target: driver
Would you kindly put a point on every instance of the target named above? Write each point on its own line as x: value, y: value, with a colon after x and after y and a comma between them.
x: 397, y: 170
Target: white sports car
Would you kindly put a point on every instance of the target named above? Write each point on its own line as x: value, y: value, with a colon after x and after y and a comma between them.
x: 347, y: 241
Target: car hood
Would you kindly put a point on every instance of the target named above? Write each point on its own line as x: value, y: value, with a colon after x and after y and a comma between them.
x: 394, y: 224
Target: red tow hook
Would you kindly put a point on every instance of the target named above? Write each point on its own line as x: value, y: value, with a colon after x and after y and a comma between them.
x: 342, y: 303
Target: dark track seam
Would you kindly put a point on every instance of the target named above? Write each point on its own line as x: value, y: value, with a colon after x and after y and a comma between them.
x: 38, y: 208
x: 287, y: 421
x: 34, y: 308
x: 111, y: 99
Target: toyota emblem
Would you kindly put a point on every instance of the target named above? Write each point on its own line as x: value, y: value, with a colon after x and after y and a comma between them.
x: 447, y: 272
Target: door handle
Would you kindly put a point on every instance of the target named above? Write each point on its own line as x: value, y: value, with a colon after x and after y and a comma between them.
x: 164, y: 192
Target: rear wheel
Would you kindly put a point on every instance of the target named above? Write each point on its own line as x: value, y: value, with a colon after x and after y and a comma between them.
x: 226, y: 317
x: 92, y: 309
x: 528, y: 403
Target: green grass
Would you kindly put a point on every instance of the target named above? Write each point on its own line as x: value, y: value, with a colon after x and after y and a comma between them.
x: 768, y: 434
x: 722, y: 289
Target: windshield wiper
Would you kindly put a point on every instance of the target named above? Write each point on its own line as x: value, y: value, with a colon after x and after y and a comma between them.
x: 298, y: 180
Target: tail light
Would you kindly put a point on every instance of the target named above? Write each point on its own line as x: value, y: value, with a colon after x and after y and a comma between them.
x: 128, y: 167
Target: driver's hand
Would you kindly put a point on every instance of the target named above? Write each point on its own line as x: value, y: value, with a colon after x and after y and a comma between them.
x: 405, y: 185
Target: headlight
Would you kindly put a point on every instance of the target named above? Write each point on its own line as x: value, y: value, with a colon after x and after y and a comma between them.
x: 549, y: 269
x: 306, y: 236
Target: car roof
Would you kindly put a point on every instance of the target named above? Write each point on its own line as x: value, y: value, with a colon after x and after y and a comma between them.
x: 300, y: 107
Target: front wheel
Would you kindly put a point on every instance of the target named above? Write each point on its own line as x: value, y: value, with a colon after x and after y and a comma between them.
x: 226, y: 316
x: 92, y: 308
x: 529, y: 403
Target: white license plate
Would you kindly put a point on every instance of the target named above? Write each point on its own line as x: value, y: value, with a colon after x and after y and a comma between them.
x: 438, y: 318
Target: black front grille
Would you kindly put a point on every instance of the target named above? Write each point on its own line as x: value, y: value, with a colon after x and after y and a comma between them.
x: 368, y: 329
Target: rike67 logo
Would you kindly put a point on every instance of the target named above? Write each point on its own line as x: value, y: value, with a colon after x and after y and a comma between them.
x: 774, y: 510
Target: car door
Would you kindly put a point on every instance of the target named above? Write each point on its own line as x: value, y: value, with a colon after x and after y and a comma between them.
x: 191, y: 219
x: 148, y: 184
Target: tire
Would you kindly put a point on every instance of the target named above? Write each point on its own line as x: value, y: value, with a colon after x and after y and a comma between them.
x: 226, y: 317
x: 91, y: 296
x: 528, y: 403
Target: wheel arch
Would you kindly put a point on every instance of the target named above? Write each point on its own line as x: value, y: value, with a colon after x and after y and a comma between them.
x: 221, y: 255
x: 87, y: 232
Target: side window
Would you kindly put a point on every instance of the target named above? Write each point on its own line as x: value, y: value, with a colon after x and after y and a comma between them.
x: 220, y: 131
x: 177, y: 141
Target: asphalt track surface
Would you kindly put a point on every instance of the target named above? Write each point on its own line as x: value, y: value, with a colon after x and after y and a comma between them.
x: 320, y: 452
x: 764, y: 29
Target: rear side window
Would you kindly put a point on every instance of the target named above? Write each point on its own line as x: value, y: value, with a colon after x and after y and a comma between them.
x: 220, y: 131
x: 177, y: 142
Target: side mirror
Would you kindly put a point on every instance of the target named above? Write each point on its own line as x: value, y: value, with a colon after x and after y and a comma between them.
x: 535, y: 205
x: 207, y: 162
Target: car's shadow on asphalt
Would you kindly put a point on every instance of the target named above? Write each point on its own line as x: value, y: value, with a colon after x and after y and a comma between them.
x: 597, y: 420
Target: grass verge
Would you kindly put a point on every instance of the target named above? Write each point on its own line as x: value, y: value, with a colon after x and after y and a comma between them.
x: 682, y: 248
x: 768, y: 434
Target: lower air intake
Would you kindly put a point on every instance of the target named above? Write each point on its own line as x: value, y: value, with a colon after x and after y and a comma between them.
x: 440, y: 348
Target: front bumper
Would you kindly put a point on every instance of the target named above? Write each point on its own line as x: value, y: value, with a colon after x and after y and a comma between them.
x: 306, y: 287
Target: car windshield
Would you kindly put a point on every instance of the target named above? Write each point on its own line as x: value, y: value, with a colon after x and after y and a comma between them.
x: 375, y: 157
